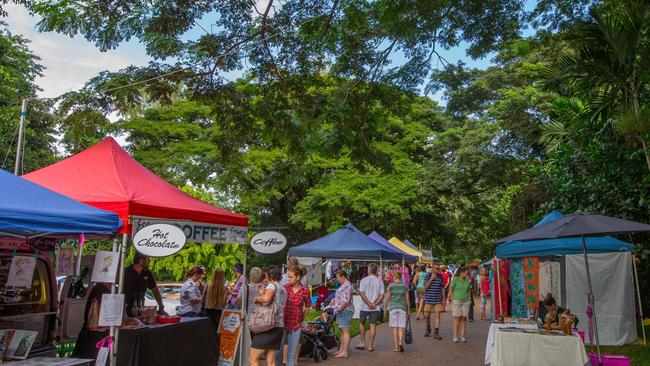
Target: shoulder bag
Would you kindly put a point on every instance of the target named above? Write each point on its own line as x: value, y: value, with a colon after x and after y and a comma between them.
x: 263, y: 317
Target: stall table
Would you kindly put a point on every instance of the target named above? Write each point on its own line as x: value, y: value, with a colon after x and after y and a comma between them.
x: 191, y: 342
x: 489, y: 344
x: 518, y: 347
x: 53, y: 361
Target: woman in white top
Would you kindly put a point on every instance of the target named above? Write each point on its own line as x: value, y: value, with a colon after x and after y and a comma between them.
x: 191, y: 298
x: 269, y: 342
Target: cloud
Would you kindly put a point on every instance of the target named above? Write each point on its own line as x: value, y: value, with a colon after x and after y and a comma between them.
x: 69, y: 62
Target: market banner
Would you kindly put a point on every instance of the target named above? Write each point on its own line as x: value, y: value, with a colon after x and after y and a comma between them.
x: 198, y: 232
x: 229, y: 331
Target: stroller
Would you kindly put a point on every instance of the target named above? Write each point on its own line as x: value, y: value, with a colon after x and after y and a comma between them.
x: 318, y: 338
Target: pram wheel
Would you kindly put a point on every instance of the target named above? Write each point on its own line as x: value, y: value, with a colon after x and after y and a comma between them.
x: 324, y: 353
x: 316, y: 354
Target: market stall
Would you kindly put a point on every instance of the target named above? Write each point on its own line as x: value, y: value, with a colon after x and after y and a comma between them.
x: 560, y: 232
x: 32, y: 220
x: 349, y: 243
x: 106, y: 176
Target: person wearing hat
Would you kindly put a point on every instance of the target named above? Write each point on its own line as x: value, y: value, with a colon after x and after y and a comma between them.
x: 137, y: 279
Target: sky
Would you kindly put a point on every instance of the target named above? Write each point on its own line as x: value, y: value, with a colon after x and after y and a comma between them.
x: 70, y: 62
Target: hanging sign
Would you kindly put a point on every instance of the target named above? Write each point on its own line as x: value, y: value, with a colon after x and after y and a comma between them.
x: 21, y: 271
x: 159, y: 240
x: 105, y: 266
x: 196, y: 232
x: 268, y: 242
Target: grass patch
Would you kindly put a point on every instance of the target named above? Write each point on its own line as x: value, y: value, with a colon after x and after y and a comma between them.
x: 638, y: 353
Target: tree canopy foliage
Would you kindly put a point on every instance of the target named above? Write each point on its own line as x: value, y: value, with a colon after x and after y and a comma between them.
x: 332, y: 119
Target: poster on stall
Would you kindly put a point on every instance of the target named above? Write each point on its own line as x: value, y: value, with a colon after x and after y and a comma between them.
x: 229, y: 330
x: 65, y: 261
x: 21, y: 271
x: 111, y: 311
x: 105, y: 267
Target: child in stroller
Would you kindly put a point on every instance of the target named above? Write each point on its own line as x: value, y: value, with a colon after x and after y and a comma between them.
x: 318, y: 337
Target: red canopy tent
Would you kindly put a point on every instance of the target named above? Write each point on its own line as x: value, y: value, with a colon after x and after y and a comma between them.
x: 107, y: 177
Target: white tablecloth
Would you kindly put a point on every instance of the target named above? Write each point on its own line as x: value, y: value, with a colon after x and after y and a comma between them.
x: 489, y: 345
x: 521, y: 349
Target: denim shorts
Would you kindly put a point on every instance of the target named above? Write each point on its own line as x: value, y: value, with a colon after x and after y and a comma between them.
x: 344, y: 318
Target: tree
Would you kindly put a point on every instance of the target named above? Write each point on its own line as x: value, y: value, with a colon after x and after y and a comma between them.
x: 19, y: 68
x: 610, y: 67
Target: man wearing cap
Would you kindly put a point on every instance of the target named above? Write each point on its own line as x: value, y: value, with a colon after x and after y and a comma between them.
x: 137, y: 279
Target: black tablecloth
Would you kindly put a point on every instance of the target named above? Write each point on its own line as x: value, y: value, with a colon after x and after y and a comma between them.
x: 192, y: 342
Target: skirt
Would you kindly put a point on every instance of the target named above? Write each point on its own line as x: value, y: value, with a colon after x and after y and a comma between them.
x: 271, y: 339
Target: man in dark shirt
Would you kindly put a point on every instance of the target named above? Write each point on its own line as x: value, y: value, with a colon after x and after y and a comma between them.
x: 137, y: 279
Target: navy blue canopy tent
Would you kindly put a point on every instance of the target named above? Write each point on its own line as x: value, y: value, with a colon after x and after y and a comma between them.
x: 28, y: 210
x: 560, y: 246
x: 347, y: 242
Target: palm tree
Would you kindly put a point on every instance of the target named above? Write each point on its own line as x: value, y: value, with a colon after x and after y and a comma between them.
x: 609, y: 67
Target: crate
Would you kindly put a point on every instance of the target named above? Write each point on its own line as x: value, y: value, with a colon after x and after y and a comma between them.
x: 609, y: 360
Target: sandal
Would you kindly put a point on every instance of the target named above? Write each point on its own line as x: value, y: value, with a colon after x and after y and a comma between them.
x: 360, y: 348
x: 371, y: 349
x: 340, y: 356
x: 395, y: 349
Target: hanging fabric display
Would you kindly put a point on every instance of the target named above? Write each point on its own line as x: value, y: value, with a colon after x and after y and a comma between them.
x: 549, y: 280
x: 518, y: 298
x: 531, y: 283
x: 501, y: 288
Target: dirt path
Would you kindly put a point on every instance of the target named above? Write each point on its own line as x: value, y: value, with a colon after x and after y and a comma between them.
x: 423, y: 351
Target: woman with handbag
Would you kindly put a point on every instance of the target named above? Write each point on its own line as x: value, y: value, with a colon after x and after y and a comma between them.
x: 267, y: 319
x: 398, y: 303
x: 343, y: 309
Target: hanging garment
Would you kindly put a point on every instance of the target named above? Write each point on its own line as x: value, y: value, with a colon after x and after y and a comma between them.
x: 531, y: 283
x: 549, y: 280
x: 518, y: 299
x: 501, y: 287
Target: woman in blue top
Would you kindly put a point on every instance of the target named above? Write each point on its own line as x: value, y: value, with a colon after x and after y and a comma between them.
x: 191, y: 298
x: 419, y: 280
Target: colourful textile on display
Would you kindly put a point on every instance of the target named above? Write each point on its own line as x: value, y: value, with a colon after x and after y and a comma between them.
x: 518, y: 299
x: 531, y: 283
x: 549, y: 280
x: 501, y: 287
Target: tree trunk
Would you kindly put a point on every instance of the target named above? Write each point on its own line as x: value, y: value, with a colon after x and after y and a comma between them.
x: 645, y: 152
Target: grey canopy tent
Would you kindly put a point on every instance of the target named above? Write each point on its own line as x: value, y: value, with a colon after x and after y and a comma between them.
x: 581, y: 225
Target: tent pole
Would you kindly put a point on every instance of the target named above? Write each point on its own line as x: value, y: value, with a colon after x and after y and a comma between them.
x: 498, y: 289
x: 590, y: 299
x: 638, y: 293
x: 112, y: 331
x: 244, y: 308
x: 120, y: 290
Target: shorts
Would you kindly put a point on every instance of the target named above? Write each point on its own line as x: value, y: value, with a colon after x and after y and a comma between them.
x: 421, y: 291
x: 432, y: 308
x: 483, y: 301
x: 344, y: 318
x: 397, y: 318
x: 459, y: 308
x: 373, y: 316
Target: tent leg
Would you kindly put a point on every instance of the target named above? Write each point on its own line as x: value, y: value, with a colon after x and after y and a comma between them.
x: 498, y: 291
x: 113, y: 288
x: 244, y: 308
x: 638, y: 293
x: 590, y: 299
x: 120, y: 290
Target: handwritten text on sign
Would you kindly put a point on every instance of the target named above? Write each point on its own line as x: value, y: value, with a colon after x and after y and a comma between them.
x: 159, y: 240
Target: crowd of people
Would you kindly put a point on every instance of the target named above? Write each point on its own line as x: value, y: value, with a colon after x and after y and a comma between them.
x: 384, y: 293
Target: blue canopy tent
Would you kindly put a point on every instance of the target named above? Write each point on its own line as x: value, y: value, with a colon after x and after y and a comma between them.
x: 583, y: 246
x: 560, y: 246
x: 382, y: 241
x: 347, y: 242
x: 28, y: 210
